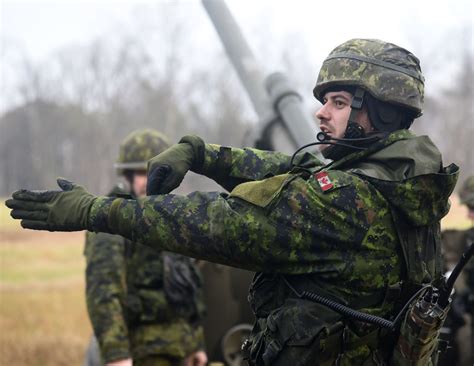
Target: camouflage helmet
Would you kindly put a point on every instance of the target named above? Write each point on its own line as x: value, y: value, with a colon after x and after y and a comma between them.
x: 388, y: 72
x: 139, y: 147
x: 466, y: 194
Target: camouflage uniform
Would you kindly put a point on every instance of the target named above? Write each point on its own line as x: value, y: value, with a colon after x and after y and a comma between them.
x: 143, y: 303
x: 336, y: 230
x: 459, y: 320
x: 351, y: 230
x: 339, y: 240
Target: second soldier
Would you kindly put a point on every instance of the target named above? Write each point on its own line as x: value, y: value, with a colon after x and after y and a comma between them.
x: 144, y: 305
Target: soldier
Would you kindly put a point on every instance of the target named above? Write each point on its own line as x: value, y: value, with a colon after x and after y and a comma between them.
x: 362, y: 231
x: 459, y: 320
x: 144, y: 304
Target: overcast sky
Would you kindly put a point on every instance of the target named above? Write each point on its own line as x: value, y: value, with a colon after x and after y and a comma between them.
x: 38, y: 29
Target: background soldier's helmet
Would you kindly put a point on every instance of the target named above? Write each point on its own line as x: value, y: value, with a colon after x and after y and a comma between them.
x: 388, y: 72
x: 139, y: 147
x: 466, y: 194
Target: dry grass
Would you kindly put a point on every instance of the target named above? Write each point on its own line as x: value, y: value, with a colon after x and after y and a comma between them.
x: 42, y: 308
x: 44, y: 325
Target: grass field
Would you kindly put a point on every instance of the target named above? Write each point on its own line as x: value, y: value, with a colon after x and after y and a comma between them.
x: 42, y: 309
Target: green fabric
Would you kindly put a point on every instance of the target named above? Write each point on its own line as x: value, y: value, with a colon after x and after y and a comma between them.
x: 412, y: 156
x: 178, y: 339
x: 230, y: 167
x: 260, y: 193
x: 409, y: 174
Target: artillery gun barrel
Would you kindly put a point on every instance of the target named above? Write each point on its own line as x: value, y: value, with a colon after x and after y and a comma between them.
x: 239, y: 54
x: 289, y: 105
x: 283, y: 122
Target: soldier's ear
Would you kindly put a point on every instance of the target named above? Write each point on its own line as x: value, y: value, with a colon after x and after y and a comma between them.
x: 363, y: 119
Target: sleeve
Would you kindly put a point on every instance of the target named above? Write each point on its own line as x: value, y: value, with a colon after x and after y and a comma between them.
x: 290, y: 224
x: 198, y: 330
x: 229, y: 166
x: 105, y: 293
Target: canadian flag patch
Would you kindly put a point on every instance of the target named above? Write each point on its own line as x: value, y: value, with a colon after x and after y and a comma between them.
x: 323, y: 181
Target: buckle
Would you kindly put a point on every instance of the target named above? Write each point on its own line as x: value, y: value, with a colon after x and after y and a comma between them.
x: 358, y: 99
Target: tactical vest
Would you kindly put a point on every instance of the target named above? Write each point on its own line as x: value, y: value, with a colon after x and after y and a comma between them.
x: 161, y: 286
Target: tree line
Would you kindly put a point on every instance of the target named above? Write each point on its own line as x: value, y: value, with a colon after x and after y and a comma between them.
x: 75, y: 110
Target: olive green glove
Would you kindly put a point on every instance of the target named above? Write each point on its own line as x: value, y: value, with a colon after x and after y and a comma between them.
x: 65, y: 210
x: 166, y: 171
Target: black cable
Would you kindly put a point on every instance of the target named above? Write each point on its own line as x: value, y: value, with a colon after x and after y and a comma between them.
x: 344, y: 310
x: 323, y: 136
x: 323, y: 143
x: 354, y: 314
x: 325, y: 139
x: 398, y: 318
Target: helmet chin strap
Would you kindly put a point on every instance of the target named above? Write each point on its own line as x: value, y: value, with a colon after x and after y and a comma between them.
x: 356, y: 104
x: 354, y: 130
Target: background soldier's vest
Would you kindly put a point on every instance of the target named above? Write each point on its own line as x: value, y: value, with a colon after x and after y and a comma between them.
x: 161, y: 286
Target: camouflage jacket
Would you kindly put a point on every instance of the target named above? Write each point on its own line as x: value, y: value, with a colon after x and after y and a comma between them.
x: 141, y: 301
x: 332, y: 227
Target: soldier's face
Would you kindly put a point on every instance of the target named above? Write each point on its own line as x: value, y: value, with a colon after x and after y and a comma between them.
x: 139, y: 183
x: 334, y: 115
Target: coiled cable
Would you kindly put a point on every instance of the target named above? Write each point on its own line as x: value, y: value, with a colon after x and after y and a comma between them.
x: 354, y: 314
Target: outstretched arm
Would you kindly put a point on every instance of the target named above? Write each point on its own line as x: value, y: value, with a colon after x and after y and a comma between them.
x: 202, y: 225
x: 283, y: 223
